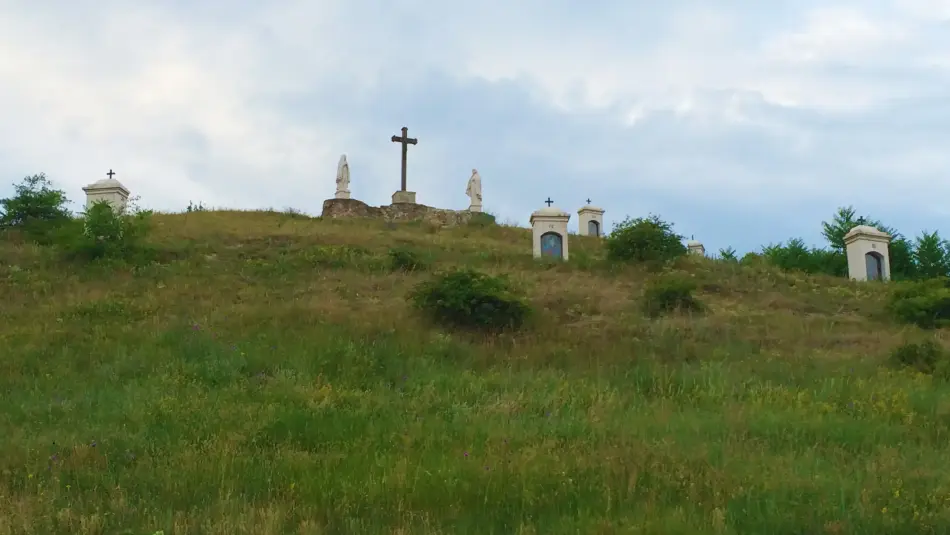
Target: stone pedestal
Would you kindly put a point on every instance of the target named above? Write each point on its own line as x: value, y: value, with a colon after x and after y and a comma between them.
x: 590, y: 221
x: 868, y: 255
x: 342, y: 194
x: 549, y: 233
x: 475, y: 208
x: 109, y: 190
x: 401, y: 197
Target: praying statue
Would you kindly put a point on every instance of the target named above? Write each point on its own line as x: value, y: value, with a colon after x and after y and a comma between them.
x: 343, y: 179
x: 474, y: 191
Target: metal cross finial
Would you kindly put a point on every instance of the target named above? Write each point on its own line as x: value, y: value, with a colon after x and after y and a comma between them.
x: 549, y: 201
x: 588, y: 201
x: 110, y: 173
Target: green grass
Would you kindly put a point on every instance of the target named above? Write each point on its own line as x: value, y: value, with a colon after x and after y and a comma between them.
x: 270, y: 378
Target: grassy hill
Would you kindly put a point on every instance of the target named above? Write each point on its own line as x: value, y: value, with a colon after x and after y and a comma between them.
x: 269, y: 377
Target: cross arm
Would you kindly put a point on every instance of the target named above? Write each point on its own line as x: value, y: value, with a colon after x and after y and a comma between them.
x: 409, y: 140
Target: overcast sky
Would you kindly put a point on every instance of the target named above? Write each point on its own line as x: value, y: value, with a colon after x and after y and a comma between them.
x: 743, y: 122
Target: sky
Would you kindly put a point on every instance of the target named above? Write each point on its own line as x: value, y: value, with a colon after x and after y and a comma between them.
x: 743, y: 123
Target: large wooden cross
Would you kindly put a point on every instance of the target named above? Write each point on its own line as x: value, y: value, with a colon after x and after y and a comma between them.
x: 406, y: 141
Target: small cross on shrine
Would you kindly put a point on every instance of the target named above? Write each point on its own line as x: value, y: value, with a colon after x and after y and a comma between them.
x: 588, y: 201
x: 110, y: 173
x: 406, y: 141
x: 549, y: 202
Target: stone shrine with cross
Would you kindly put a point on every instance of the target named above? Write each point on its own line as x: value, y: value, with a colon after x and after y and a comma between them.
x: 109, y: 190
x: 695, y: 247
x: 549, y: 232
x: 868, y: 256
x: 404, y: 196
x: 590, y: 220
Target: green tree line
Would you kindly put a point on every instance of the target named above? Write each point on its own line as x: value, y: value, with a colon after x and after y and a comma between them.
x: 925, y: 257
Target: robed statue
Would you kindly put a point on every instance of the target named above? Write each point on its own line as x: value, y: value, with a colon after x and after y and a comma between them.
x: 343, y: 179
x: 474, y: 191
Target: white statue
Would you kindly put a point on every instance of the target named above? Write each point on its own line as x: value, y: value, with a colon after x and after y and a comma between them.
x: 474, y: 191
x: 343, y: 179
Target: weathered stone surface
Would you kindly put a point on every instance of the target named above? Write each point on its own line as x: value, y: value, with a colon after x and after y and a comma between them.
x: 343, y: 208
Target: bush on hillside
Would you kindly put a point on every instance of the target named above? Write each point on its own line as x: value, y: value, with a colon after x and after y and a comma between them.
x: 195, y: 207
x: 752, y: 259
x: 794, y: 255
x: 922, y: 303
x: 728, y: 255
x: 402, y: 259
x: 670, y: 293
x: 36, y: 208
x: 925, y: 357
x: 471, y: 300
x: 644, y: 240
x: 108, y: 233
x: 482, y: 219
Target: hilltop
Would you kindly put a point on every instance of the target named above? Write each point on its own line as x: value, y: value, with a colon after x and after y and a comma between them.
x: 267, y: 376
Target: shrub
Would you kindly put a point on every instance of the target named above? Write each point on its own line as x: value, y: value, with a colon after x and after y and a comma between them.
x: 925, y: 357
x: 472, y: 300
x: 752, y: 259
x: 670, y: 294
x: 109, y: 233
x: 924, y: 303
x: 195, y: 207
x: 728, y: 255
x: 401, y: 259
x: 482, y: 219
x: 36, y: 208
x: 794, y: 255
x: 649, y: 240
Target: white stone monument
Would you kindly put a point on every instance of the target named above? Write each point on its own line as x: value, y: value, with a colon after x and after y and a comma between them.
x: 474, y: 192
x: 549, y: 232
x: 343, y: 179
x: 867, y: 250
x: 695, y: 247
x: 109, y: 190
x: 590, y: 220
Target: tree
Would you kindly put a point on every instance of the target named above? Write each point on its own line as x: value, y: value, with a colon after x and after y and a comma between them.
x: 901, y: 250
x: 931, y: 256
x: 647, y: 240
x: 35, y: 201
x: 842, y: 222
x: 728, y: 255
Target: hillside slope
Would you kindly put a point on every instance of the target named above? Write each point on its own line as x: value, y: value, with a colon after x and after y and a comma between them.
x: 269, y: 377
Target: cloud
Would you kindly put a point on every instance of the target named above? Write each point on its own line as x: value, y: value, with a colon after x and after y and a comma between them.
x: 744, y: 123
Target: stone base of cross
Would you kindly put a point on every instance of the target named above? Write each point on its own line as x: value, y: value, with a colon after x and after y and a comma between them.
x: 404, y: 197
